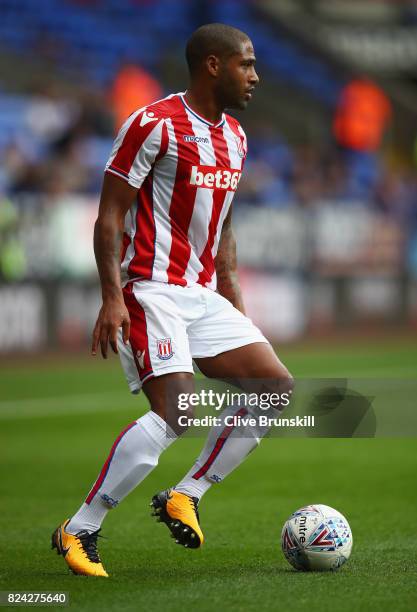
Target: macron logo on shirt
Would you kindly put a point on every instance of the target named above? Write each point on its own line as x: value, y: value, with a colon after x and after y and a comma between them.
x: 202, y: 139
x: 147, y: 118
x: 212, y: 177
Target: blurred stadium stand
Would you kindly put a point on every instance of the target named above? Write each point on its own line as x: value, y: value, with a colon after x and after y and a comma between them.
x: 94, y: 38
x: 327, y: 229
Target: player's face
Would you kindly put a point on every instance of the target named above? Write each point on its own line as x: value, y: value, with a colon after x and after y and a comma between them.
x: 238, y: 78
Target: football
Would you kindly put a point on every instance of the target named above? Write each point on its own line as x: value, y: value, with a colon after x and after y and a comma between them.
x: 316, y: 538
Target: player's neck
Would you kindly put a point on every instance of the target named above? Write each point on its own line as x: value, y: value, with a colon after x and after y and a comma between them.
x: 203, y: 104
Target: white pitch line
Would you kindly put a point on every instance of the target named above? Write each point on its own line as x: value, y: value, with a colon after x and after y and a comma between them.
x: 393, y: 373
x: 62, y: 405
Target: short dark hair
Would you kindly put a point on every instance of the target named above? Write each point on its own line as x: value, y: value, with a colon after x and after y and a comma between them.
x: 212, y: 39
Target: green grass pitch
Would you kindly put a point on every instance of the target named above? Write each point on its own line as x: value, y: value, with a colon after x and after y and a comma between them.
x: 58, y: 421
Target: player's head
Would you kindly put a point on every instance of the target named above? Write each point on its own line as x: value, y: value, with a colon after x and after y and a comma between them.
x: 224, y: 58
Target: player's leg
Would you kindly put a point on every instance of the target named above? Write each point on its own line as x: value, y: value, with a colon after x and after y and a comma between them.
x: 156, y: 324
x: 179, y: 512
x: 150, y: 361
x: 226, y: 345
x: 227, y: 446
x: 134, y: 453
x: 251, y: 361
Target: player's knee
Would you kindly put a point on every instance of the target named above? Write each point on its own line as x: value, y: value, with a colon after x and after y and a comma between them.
x: 286, y: 387
x: 283, y: 385
x: 168, y: 395
x: 286, y: 384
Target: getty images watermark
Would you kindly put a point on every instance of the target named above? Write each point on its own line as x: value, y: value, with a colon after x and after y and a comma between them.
x: 247, y: 410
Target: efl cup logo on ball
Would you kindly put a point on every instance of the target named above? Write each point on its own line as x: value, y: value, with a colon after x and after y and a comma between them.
x: 316, y: 538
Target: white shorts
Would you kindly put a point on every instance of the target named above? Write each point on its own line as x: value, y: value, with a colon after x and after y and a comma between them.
x: 171, y: 325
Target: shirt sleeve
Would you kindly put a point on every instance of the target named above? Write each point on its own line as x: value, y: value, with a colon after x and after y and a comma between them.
x: 140, y: 141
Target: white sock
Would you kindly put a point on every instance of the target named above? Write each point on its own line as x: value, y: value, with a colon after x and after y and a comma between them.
x: 226, y: 447
x: 133, y: 456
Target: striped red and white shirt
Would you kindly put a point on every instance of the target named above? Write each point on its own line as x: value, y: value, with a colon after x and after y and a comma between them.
x: 186, y: 170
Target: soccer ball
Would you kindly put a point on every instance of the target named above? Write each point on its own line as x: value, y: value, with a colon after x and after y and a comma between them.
x: 316, y: 538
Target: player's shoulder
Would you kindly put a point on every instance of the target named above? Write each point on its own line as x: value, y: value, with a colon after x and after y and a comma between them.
x: 165, y: 108
x: 235, y: 125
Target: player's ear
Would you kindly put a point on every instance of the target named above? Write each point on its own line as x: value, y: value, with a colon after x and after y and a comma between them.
x: 213, y: 65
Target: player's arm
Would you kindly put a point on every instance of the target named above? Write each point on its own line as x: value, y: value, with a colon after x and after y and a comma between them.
x: 226, y: 265
x: 116, y: 199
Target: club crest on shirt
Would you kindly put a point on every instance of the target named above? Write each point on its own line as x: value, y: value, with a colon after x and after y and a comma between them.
x: 240, y: 147
x: 164, y: 346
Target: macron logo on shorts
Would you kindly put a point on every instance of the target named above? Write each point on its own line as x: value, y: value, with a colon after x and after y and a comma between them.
x: 140, y: 356
x: 215, y: 178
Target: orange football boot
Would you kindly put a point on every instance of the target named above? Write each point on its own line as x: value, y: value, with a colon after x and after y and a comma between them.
x: 180, y: 513
x: 79, y: 551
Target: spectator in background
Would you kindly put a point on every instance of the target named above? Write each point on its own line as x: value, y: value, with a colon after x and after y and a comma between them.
x: 133, y: 88
x: 362, y: 115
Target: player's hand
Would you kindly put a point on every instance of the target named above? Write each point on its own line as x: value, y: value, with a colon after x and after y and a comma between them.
x: 113, y: 314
